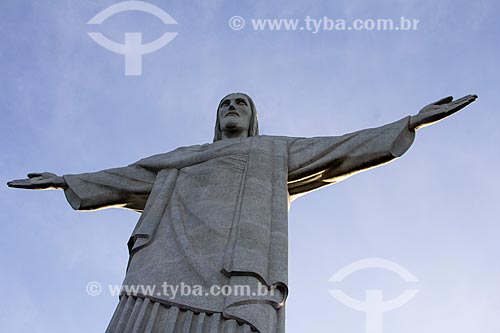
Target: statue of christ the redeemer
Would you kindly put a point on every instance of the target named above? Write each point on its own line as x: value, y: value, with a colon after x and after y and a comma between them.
x: 214, y: 216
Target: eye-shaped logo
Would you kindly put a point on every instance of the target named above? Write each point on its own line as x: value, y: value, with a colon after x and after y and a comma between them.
x: 133, y: 49
x: 374, y: 305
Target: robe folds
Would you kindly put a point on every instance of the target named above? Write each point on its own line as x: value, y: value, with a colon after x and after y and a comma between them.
x: 216, y: 214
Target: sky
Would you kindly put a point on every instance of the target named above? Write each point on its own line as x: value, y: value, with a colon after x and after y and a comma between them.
x: 68, y: 108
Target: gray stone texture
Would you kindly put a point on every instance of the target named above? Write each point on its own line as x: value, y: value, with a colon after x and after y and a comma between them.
x: 216, y: 214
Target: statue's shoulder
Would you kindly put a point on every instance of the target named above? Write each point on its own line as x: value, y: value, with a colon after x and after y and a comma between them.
x: 278, y: 138
x: 182, y: 154
x: 272, y: 137
x: 176, y: 153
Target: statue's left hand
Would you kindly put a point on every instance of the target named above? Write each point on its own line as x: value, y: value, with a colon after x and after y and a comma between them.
x: 439, y: 110
x: 39, y: 181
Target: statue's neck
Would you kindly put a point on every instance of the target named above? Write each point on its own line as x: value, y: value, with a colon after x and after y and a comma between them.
x: 234, y: 134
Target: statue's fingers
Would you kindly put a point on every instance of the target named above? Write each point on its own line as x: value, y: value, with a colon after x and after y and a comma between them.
x: 466, y: 100
x: 454, y: 107
x: 472, y: 98
x: 444, y: 100
x: 459, y: 101
x: 34, y: 174
x: 20, y: 183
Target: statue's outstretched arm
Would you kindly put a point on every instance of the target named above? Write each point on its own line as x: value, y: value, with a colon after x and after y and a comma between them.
x: 127, y: 187
x: 439, y: 110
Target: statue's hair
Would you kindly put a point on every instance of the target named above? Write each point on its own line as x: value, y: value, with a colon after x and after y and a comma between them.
x: 254, y: 124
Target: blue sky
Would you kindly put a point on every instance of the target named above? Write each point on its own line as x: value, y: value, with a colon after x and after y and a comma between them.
x: 68, y: 108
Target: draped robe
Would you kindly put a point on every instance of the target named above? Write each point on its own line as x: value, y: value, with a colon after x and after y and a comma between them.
x: 216, y: 214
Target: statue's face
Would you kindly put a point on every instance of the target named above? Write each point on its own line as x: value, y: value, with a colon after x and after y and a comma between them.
x: 235, y: 114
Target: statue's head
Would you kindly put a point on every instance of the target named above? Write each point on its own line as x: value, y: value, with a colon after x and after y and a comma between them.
x: 236, y: 117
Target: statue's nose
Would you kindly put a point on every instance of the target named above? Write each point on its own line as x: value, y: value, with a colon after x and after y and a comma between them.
x: 231, y: 107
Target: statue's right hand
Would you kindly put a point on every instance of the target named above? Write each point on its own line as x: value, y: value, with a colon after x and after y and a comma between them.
x: 39, y: 181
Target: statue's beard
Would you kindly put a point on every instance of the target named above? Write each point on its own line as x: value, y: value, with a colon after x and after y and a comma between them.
x: 232, y: 126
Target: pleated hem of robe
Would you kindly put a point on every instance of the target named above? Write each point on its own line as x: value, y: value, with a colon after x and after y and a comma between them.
x: 142, y: 315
